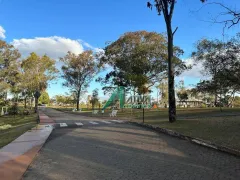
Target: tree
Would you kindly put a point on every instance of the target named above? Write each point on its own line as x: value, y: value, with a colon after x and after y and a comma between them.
x: 229, y: 17
x: 182, y: 96
x: 60, y: 99
x: 221, y: 63
x: 163, y: 88
x: 139, y: 60
x: 182, y: 92
x: 44, y: 98
x: 9, y: 73
x: 167, y: 8
x: 78, y: 71
x: 94, y: 100
x: 37, y: 71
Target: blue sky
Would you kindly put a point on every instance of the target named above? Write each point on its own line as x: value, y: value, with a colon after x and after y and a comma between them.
x: 56, y: 26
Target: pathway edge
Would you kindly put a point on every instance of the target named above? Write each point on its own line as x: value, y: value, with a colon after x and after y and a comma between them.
x: 14, y: 162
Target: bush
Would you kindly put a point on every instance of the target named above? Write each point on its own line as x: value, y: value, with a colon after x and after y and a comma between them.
x: 13, y: 110
x: 26, y: 112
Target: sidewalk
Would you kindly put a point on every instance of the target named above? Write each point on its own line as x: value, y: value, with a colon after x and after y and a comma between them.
x: 17, y: 156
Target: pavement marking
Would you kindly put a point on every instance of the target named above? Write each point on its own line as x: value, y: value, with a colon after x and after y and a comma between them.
x: 118, y: 121
x: 107, y: 122
x: 79, y: 124
x: 92, y: 122
x: 63, y: 125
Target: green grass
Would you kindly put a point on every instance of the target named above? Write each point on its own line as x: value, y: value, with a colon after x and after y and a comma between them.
x: 209, y: 124
x: 220, y: 130
x: 12, y: 127
x: 13, y: 133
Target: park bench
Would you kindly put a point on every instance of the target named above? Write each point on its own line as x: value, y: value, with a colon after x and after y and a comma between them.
x: 113, y: 113
x: 95, y: 111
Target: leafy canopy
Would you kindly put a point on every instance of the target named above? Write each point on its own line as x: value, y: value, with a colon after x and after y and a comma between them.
x: 139, y: 60
x: 37, y: 71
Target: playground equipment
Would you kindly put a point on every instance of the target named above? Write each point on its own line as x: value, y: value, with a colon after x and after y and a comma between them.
x: 6, y: 111
x: 117, y: 95
x: 136, y: 101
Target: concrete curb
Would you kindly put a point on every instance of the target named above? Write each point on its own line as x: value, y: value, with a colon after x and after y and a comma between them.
x: 191, y: 139
x: 16, y: 157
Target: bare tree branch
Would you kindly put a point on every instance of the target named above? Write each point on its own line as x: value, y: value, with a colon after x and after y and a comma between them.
x: 175, y: 31
x: 232, y: 17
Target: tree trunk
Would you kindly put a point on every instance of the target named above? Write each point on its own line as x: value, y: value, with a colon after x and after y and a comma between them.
x: 78, y: 98
x: 25, y: 102
x: 171, y: 88
x: 36, y: 105
x: 78, y: 103
x: 31, y: 100
x: 215, y: 99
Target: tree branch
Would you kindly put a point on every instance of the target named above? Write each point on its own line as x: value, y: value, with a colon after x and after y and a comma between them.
x: 228, y: 22
x: 175, y: 31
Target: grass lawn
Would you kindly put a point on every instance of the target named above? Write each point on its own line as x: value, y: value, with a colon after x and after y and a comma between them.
x: 222, y: 128
x: 12, y: 127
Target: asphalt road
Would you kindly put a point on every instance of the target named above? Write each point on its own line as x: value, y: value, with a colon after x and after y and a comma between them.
x: 119, y: 151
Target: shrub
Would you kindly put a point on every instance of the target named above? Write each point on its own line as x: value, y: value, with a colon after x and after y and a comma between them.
x: 13, y: 110
x: 26, y: 112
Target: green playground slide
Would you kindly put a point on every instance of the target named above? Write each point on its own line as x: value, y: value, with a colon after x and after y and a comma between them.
x: 118, y: 94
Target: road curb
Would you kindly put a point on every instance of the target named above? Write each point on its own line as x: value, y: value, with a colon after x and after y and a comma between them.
x: 190, y: 139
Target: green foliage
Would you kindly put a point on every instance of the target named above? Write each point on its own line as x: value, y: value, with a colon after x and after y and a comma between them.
x: 203, y: 106
x: 37, y: 72
x: 14, y: 109
x: 221, y: 62
x: 183, y: 96
x: 94, y: 100
x: 26, y: 112
x: 78, y: 71
x: 64, y: 100
x: 139, y: 60
x: 9, y: 72
x: 44, y: 98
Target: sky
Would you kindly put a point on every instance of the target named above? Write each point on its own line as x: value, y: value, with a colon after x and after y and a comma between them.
x: 54, y: 27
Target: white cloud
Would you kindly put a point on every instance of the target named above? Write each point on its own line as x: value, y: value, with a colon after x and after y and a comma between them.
x: 53, y: 46
x: 89, y: 46
x: 196, y: 70
x: 2, y: 32
x: 85, y: 44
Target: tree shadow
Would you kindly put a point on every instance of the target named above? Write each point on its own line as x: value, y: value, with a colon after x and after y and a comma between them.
x: 102, y: 153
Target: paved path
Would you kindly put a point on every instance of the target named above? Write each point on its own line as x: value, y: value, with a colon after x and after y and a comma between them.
x: 17, y: 155
x: 119, y: 151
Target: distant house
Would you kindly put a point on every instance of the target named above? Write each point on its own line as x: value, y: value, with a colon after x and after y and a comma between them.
x: 198, y: 100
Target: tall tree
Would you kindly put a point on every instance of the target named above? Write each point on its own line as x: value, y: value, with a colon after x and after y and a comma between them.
x: 139, y: 60
x: 37, y: 71
x: 167, y: 8
x: 221, y: 63
x: 78, y: 71
x: 9, y: 73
